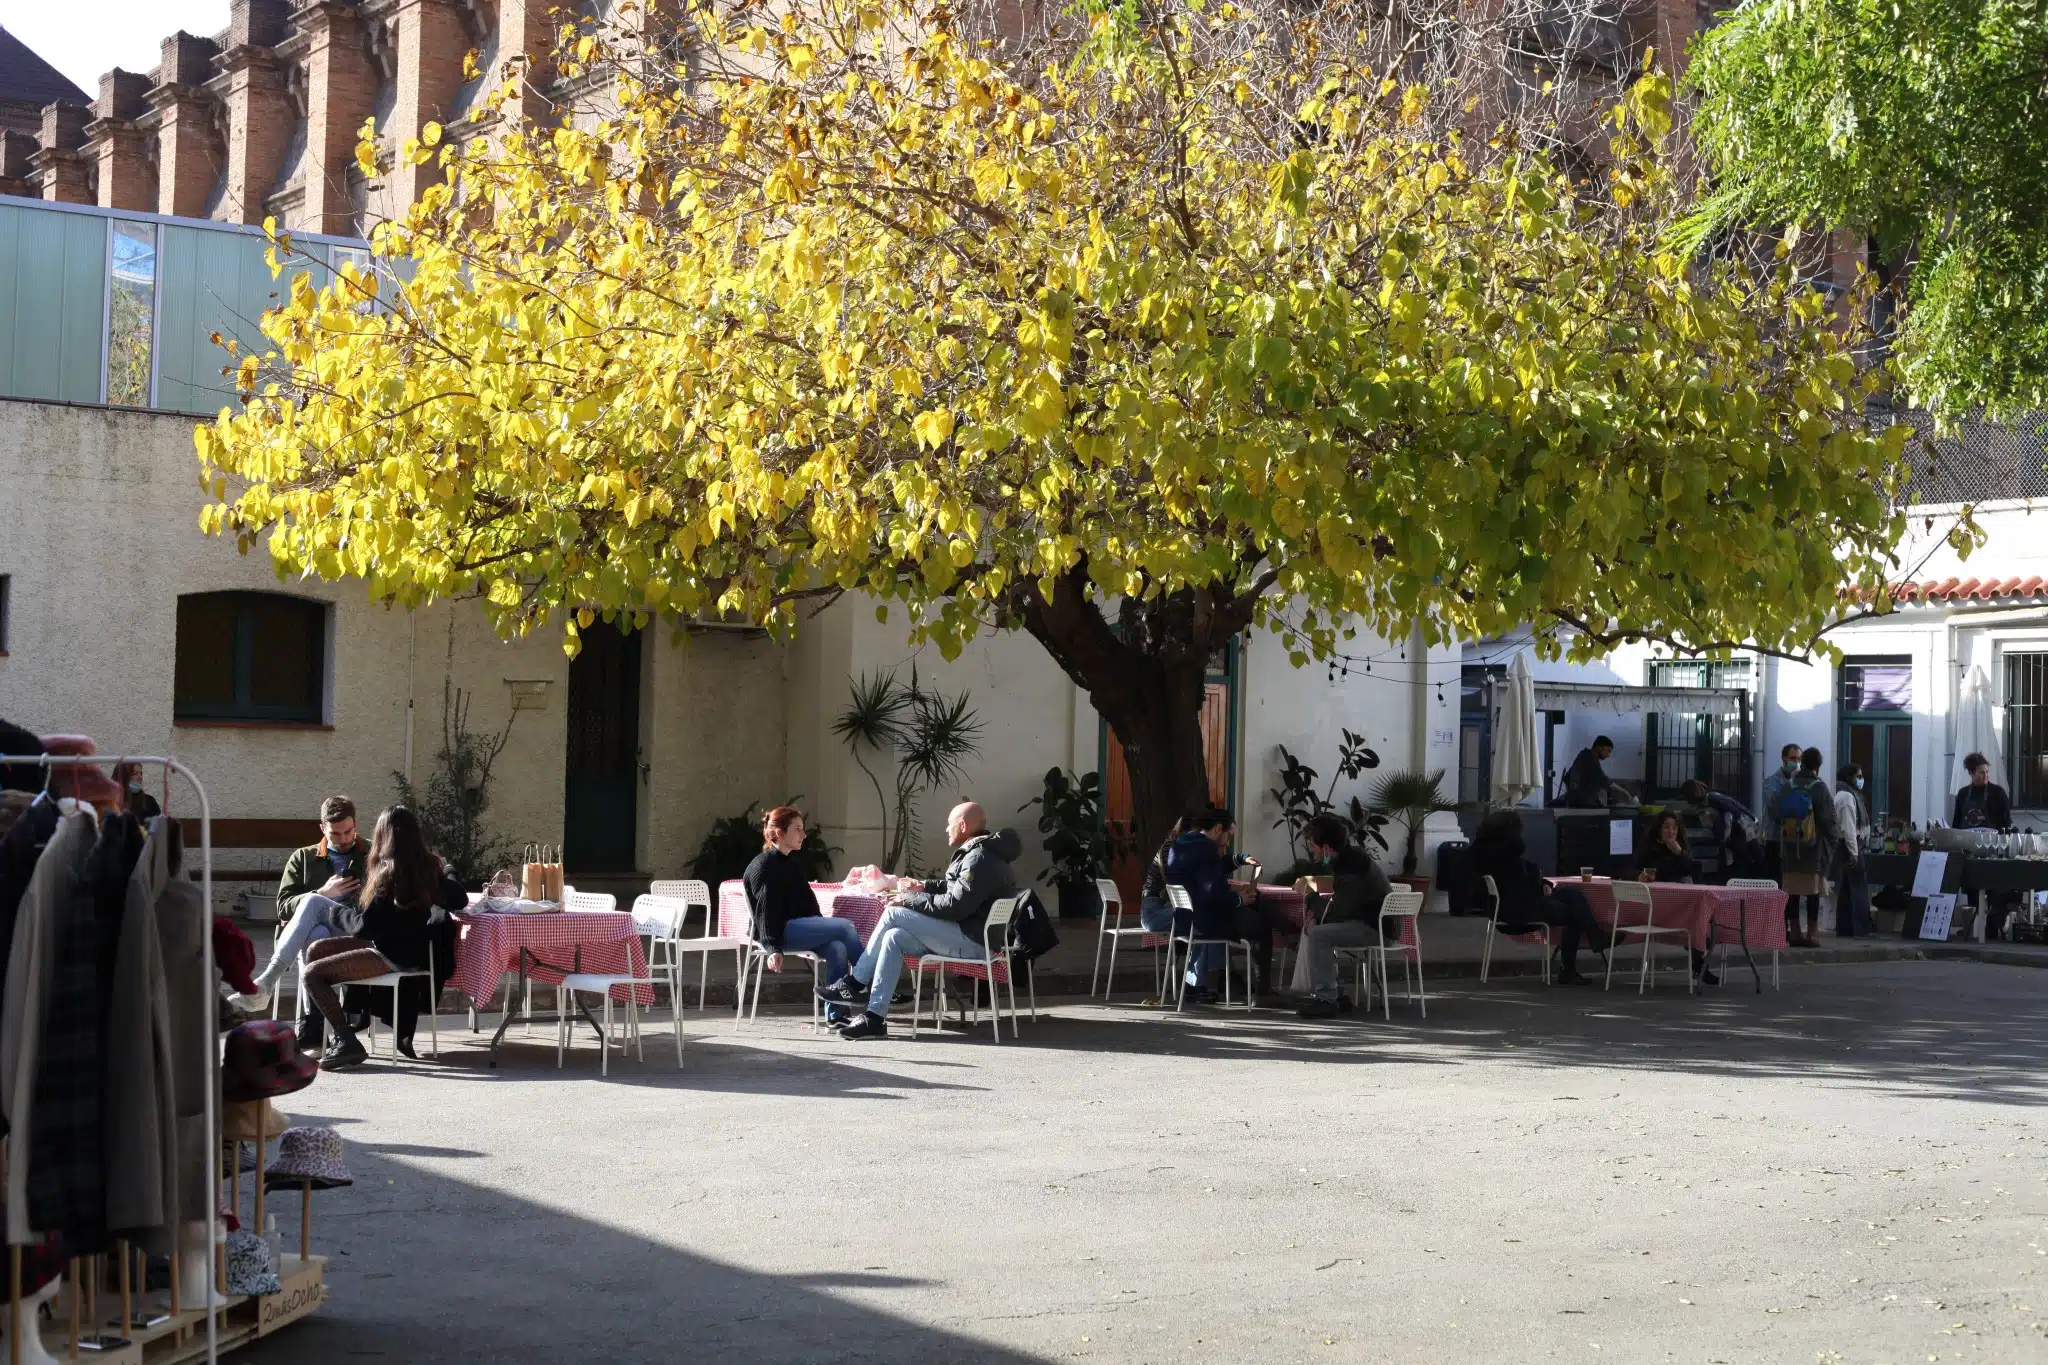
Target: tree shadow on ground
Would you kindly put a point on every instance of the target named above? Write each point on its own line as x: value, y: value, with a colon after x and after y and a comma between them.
x: 426, y: 1269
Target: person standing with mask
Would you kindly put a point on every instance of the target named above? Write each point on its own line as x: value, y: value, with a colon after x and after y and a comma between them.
x: 1852, y: 815
x: 1803, y: 819
x: 1788, y: 768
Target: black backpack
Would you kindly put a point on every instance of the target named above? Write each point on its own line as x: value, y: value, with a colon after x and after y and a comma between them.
x: 1031, y: 931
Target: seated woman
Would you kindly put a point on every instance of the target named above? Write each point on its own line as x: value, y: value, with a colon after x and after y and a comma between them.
x: 1155, y: 912
x: 1526, y: 900
x: 400, y: 914
x: 786, y: 917
x: 1665, y: 855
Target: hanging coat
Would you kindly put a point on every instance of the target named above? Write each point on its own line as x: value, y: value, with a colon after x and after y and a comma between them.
x: 183, y: 927
x: 142, y: 1110
x: 30, y: 966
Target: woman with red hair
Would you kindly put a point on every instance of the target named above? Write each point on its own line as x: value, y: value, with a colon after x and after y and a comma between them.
x: 786, y: 917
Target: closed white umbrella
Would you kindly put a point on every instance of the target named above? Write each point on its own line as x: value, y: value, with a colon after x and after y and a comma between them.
x: 1517, y: 765
x: 1976, y: 730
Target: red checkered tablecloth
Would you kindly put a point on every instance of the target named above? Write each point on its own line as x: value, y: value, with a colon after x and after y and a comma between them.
x: 489, y: 947
x: 1289, y: 911
x: 1698, y: 908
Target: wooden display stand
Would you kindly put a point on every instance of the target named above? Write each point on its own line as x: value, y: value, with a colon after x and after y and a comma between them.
x: 181, y: 1337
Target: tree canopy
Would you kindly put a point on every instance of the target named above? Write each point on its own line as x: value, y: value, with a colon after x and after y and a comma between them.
x: 1924, y: 122
x: 1191, y: 321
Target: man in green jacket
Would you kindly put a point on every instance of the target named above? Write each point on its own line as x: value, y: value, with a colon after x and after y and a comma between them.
x: 316, y: 878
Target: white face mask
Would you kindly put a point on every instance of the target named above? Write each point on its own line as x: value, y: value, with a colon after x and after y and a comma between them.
x: 1859, y: 784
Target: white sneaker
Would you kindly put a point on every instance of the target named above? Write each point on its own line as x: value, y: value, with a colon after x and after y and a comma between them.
x: 254, y: 1004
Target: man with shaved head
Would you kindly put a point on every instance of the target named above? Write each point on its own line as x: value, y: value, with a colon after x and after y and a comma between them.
x: 945, y: 917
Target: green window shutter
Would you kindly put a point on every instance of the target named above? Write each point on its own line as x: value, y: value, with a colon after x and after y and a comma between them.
x: 53, y: 304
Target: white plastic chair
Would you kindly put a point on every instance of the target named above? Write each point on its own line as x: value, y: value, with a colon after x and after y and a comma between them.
x: 1179, y: 899
x: 993, y: 966
x: 395, y: 981
x: 659, y: 919
x: 1750, y: 884
x: 1405, y: 942
x: 604, y: 984
x: 589, y: 902
x: 1114, y: 934
x: 717, y: 937
x: 1543, y: 934
x: 1651, y: 933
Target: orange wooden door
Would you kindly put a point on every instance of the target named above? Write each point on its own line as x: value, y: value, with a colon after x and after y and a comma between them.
x: 1129, y: 870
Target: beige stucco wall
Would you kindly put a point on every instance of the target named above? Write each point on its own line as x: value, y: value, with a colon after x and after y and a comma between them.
x: 98, y: 530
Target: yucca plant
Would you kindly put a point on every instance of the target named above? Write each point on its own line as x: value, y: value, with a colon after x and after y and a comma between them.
x: 1411, y: 798
x: 928, y: 734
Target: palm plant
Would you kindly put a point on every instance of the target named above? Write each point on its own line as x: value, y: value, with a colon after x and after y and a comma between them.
x: 1411, y: 798
x: 929, y: 735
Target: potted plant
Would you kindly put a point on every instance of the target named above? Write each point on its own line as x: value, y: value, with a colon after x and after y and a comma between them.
x: 1076, y: 839
x: 1411, y: 798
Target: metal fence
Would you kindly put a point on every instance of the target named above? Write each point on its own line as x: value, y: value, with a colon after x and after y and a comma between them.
x: 1682, y: 746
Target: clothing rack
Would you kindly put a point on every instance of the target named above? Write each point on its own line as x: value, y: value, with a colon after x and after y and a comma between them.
x: 210, y: 1032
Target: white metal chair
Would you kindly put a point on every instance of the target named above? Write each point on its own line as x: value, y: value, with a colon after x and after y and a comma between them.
x: 1180, y: 900
x: 719, y: 936
x: 1751, y: 884
x: 993, y: 966
x: 589, y: 901
x: 1405, y: 942
x: 395, y: 981
x: 581, y: 982
x: 1115, y: 933
x: 1628, y: 893
x: 659, y: 919
x: 1543, y: 934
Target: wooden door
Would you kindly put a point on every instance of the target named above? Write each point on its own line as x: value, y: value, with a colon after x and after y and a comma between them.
x: 1217, y: 736
x: 601, y: 798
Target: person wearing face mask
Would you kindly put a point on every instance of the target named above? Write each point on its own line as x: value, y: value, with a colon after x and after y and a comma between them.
x: 1774, y: 853
x: 136, y: 801
x: 1852, y: 816
x: 1346, y: 903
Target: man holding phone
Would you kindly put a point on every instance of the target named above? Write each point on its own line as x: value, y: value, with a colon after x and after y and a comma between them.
x: 317, y: 880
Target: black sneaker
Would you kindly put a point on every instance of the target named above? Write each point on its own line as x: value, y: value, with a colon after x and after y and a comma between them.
x: 1709, y: 977
x: 1315, y: 1007
x: 844, y: 991
x: 346, y: 1052
x: 867, y: 1026
x: 1202, y: 995
x: 312, y: 1032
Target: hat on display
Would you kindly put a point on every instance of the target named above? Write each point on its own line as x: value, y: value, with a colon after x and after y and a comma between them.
x: 308, y: 1156
x: 79, y: 780
x: 238, y: 1121
x: 234, y: 955
x: 262, y: 1060
x: 249, y: 1267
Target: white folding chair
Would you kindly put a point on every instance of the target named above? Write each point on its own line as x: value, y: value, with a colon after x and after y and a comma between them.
x: 1177, y: 896
x: 718, y: 936
x: 1628, y: 893
x: 395, y: 981
x: 1540, y: 934
x: 1111, y: 929
x: 993, y: 966
x: 1751, y: 884
x: 600, y: 983
x: 1405, y: 942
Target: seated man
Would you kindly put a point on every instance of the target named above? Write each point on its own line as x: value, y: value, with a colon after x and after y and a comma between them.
x: 317, y: 880
x: 1350, y: 918
x: 1224, y: 909
x: 945, y: 917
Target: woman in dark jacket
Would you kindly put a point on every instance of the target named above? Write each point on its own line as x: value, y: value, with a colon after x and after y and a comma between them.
x: 399, y: 922
x: 786, y: 917
x: 1665, y: 856
x: 1526, y: 899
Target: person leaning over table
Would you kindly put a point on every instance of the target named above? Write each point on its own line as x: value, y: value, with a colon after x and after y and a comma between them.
x: 1224, y: 909
x: 946, y: 916
x: 1350, y: 915
x: 400, y: 917
x: 1586, y: 783
x: 1738, y: 845
x: 786, y: 917
x: 318, y: 879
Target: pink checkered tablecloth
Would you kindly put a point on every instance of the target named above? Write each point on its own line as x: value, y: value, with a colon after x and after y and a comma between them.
x: 1289, y: 911
x: 736, y: 920
x: 1698, y: 908
x: 489, y: 947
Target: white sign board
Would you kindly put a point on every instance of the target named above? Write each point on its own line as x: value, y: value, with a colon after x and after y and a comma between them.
x: 1621, y: 838
x: 1928, y: 872
x: 1939, y: 915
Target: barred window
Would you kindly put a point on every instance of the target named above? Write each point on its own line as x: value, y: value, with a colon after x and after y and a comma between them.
x: 2026, y: 728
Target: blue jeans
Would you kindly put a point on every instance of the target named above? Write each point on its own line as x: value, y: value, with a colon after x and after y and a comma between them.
x: 314, y: 921
x: 834, y: 940
x: 902, y: 932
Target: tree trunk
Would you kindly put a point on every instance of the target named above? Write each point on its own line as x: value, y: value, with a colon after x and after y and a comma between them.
x: 1158, y: 722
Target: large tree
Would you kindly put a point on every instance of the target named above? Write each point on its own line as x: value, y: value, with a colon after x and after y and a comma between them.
x: 1132, y: 339
x: 1923, y: 123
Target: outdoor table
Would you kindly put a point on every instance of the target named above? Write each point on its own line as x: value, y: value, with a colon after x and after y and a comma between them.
x: 1754, y: 915
x: 735, y: 917
x: 601, y: 941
